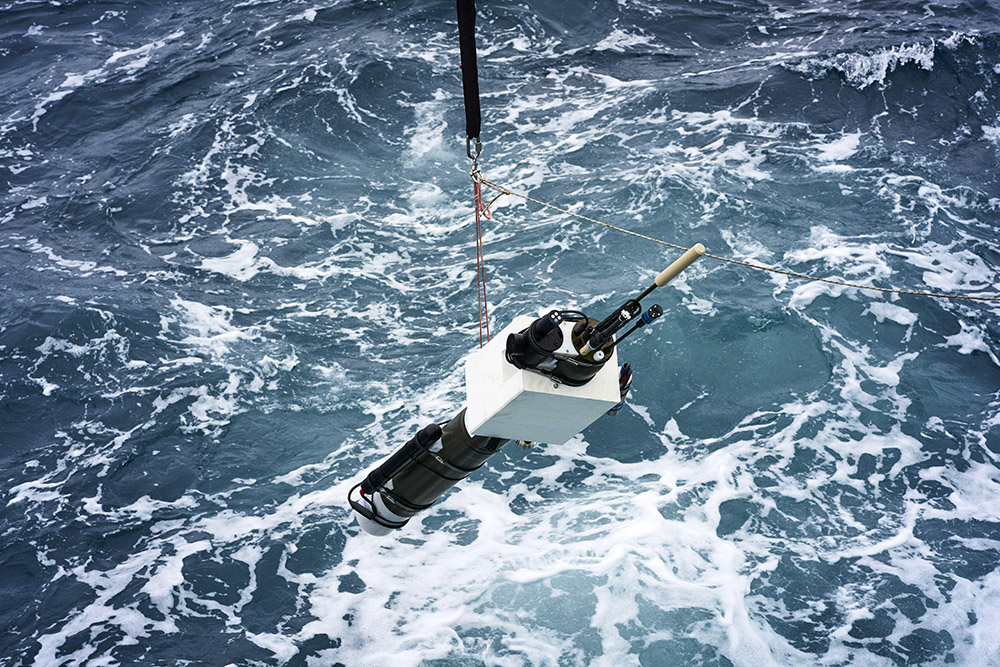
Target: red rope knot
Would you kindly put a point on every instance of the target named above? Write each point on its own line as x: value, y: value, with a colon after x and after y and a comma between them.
x: 477, y: 189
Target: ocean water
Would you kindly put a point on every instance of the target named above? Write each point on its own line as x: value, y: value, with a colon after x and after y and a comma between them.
x: 237, y: 269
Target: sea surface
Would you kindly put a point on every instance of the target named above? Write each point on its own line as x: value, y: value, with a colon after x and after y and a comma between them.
x: 238, y: 269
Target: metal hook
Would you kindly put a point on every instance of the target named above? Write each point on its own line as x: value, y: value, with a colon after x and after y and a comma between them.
x: 468, y: 148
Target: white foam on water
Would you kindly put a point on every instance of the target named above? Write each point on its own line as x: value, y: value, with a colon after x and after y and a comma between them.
x: 242, y: 264
x: 922, y: 204
x: 839, y: 149
x: 209, y: 332
x: 841, y: 258
x: 138, y: 58
x: 145, y: 508
x: 203, y: 328
x: 620, y: 41
x: 69, y: 84
x: 992, y: 134
x: 100, y: 612
x: 208, y: 412
x: 82, y: 268
x: 46, y: 386
x: 748, y: 165
x: 971, y: 338
x: 713, y: 148
x: 426, y: 136
x: 885, y: 311
x: 864, y: 69
x: 951, y: 270
x: 135, y: 60
x: 681, y: 564
x: 763, y: 62
x: 36, y: 202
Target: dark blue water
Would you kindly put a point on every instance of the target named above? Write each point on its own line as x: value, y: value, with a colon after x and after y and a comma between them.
x: 238, y: 269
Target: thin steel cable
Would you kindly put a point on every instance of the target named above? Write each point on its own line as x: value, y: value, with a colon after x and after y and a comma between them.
x: 480, y: 256
x: 759, y: 267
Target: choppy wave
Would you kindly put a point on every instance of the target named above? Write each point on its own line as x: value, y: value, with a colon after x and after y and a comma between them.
x: 864, y: 69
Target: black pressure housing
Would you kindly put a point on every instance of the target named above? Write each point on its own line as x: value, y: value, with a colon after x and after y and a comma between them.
x: 410, y: 450
x: 536, y: 344
x: 426, y: 474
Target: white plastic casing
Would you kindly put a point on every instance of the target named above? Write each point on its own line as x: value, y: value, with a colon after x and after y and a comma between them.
x: 369, y: 526
x: 505, y: 402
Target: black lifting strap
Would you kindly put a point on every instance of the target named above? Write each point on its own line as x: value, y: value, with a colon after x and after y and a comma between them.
x: 470, y: 72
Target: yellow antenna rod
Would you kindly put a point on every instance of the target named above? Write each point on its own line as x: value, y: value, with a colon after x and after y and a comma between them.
x: 671, y: 272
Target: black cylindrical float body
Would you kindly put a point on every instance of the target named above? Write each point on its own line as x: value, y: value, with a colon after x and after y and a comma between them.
x: 378, y: 477
x: 436, y: 469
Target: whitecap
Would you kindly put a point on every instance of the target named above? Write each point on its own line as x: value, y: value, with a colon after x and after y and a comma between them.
x: 838, y: 149
x: 864, y: 69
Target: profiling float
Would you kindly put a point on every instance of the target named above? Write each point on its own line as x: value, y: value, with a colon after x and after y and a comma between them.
x: 540, y: 380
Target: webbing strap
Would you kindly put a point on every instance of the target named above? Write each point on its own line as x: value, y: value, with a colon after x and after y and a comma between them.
x: 470, y: 72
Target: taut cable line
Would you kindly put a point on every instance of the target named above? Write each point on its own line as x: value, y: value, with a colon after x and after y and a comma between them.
x: 759, y: 267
